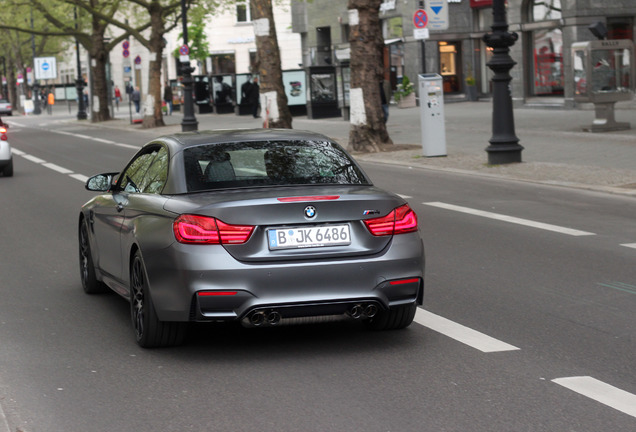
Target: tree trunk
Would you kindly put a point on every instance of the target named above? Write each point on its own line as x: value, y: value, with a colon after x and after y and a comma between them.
x: 153, y: 116
x: 99, y: 105
x: 274, y: 108
x: 368, y: 131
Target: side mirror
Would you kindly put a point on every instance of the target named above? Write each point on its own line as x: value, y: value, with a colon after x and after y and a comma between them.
x: 100, y: 182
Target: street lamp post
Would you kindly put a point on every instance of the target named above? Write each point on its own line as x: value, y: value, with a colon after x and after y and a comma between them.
x: 36, y: 87
x: 189, y: 122
x: 79, y: 84
x: 504, y: 145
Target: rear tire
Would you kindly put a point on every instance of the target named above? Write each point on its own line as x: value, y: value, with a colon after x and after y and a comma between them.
x: 150, y: 332
x: 87, y: 269
x: 8, y: 170
x: 396, y: 318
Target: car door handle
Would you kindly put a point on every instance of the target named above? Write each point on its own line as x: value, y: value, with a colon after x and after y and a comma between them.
x: 119, y: 207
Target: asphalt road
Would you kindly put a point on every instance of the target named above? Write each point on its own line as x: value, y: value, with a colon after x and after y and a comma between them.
x: 527, y: 325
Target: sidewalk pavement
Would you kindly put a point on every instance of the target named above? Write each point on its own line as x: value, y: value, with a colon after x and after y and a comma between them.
x: 556, y: 149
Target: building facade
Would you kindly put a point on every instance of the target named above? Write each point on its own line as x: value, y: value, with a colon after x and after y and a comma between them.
x: 546, y: 29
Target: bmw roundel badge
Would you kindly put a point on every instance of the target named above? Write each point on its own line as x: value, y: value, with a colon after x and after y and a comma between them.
x: 310, y: 212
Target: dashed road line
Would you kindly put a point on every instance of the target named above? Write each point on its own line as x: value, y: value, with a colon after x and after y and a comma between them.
x: 601, y: 392
x: 511, y: 219
x: 49, y: 165
x: 34, y: 159
x: 463, y: 334
x: 629, y: 245
x: 57, y: 168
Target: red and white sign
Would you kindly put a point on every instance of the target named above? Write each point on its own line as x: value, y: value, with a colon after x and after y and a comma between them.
x: 184, y: 50
x: 420, y: 19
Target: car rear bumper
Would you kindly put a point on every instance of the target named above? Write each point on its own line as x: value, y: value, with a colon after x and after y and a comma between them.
x: 204, y: 283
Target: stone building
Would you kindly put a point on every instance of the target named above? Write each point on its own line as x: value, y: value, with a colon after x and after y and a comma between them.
x: 546, y: 29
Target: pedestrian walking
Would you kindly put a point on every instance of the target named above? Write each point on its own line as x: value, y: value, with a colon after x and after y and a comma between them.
x: 117, y: 97
x: 50, y: 102
x: 385, y: 103
x: 136, y: 98
x: 167, y: 97
x: 253, y: 97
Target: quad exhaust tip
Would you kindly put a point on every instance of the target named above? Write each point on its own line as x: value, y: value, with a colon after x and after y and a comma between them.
x: 260, y: 318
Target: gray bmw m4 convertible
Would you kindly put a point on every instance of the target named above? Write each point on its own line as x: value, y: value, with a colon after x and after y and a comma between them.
x: 262, y: 227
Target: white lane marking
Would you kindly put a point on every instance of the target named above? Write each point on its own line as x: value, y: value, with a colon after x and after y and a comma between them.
x: 463, y: 334
x: 79, y: 177
x: 51, y: 166
x: 629, y: 245
x: 601, y: 392
x: 511, y: 219
x: 33, y: 158
x: 58, y: 168
x: 129, y: 146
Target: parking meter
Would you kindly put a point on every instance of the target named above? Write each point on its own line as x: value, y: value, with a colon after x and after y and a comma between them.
x: 432, y: 120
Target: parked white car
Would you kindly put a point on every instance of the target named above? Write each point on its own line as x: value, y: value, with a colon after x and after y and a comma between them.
x: 6, y: 159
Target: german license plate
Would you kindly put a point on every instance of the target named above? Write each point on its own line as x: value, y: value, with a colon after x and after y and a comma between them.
x: 309, y: 237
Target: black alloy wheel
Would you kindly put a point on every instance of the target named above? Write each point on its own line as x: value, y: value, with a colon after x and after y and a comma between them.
x: 150, y: 332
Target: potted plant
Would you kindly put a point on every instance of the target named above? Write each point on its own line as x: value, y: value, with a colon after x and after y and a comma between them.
x: 405, y: 93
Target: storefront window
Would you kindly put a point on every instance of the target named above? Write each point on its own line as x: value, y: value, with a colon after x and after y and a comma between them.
x: 223, y: 63
x: 448, y: 65
x: 547, y: 50
x: 548, y: 62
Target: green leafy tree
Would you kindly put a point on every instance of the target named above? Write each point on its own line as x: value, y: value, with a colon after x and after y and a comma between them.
x: 90, y: 29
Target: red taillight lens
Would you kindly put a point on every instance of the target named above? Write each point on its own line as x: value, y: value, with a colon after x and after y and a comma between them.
x: 400, y: 221
x: 3, y: 129
x: 194, y: 229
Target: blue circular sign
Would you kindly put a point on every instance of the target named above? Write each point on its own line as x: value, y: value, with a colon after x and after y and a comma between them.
x: 45, y: 66
x: 126, y: 53
x: 137, y: 60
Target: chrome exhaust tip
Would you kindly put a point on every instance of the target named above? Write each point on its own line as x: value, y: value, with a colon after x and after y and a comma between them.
x: 356, y: 311
x: 273, y: 318
x: 370, y: 310
x: 257, y: 319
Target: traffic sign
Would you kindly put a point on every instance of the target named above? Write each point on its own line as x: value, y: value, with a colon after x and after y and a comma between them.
x: 184, y: 50
x: 437, y: 11
x: 45, y: 68
x: 420, y: 19
x: 137, y: 60
x: 125, y: 45
x: 126, y: 53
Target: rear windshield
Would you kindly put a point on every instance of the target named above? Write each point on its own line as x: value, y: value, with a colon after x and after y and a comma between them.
x: 271, y: 163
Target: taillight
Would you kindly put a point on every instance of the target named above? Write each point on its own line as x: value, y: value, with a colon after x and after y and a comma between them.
x: 3, y: 129
x: 399, y: 221
x: 194, y: 229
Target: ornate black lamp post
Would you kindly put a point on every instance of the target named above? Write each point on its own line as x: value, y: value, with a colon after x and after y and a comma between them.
x: 504, y: 145
x: 79, y: 84
x: 189, y: 122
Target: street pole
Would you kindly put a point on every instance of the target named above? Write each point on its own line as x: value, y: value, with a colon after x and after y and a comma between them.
x: 189, y: 122
x: 504, y: 145
x: 36, y: 87
x: 5, y: 90
x: 79, y: 84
